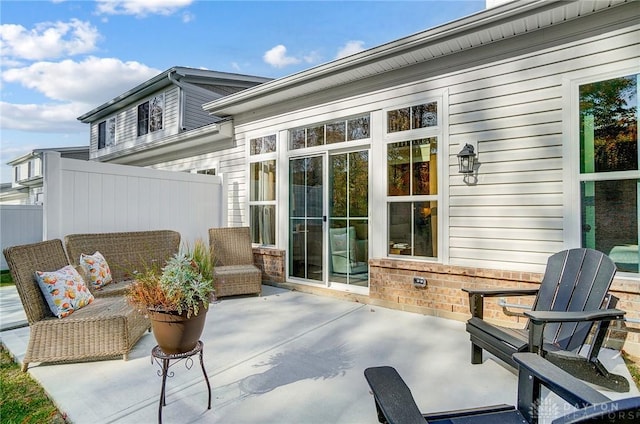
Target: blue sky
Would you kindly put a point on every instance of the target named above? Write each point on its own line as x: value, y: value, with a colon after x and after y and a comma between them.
x: 60, y: 59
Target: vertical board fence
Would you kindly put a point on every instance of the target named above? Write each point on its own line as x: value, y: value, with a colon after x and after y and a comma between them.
x: 19, y: 224
x: 94, y: 197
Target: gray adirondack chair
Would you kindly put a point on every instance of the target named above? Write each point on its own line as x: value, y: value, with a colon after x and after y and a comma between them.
x: 572, y: 301
x: 395, y: 403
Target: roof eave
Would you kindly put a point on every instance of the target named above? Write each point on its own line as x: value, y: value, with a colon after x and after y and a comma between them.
x: 234, y: 103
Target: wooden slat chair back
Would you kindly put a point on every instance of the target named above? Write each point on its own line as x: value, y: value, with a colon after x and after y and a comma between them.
x: 574, y: 280
x: 572, y: 300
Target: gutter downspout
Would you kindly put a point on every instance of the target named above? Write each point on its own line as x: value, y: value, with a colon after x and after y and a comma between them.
x: 181, y: 127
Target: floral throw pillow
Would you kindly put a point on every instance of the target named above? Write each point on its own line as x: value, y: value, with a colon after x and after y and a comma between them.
x: 96, y: 269
x: 64, y: 290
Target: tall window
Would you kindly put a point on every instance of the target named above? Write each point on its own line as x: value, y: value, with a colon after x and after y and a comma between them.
x: 262, y: 190
x: 609, y: 173
x: 412, y: 181
x: 107, y: 133
x: 150, y: 115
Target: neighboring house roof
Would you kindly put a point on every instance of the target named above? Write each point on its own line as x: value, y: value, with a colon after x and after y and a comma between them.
x: 64, y: 151
x: 496, y: 24
x: 175, y: 75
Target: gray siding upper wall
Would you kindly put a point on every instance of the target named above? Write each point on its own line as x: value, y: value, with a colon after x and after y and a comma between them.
x: 194, y: 115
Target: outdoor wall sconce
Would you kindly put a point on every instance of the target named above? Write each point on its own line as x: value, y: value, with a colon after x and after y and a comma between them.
x: 466, y: 159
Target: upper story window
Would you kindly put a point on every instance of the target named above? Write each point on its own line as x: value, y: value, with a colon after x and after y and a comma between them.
x: 412, y: 180
x: 262, y: 189
x: 150, y: 115
x: 107, y: 133
x: 350, y: 129
x: 609, y: 173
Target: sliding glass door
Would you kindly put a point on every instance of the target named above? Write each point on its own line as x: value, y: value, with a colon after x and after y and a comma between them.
x: 331, y: 188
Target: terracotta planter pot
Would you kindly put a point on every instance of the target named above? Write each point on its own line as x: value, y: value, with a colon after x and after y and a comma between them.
x: 177, y: 333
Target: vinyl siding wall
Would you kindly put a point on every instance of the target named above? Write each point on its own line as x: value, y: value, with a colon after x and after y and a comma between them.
x: 516, y: 215
x: 194, y: 115
x: 231, y: 164
x: 127, y: 125
x: 513, y: 217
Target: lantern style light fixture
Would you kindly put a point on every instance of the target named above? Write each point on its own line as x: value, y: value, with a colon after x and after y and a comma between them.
x: 466, y: 159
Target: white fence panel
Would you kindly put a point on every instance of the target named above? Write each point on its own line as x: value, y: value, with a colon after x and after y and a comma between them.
x: 95, y: 197
x: 19, y: 224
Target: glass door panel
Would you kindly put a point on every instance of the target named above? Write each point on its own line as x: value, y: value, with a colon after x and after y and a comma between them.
x: 306, y: 248
x: 349, y: 218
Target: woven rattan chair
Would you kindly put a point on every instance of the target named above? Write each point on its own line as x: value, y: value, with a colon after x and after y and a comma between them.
x: 234, y: 272
x: 125, y: 252
x: 106, y: 328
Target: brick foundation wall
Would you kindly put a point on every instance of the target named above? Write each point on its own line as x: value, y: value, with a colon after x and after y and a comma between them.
x: 391, y: 285
x: 271, y: 262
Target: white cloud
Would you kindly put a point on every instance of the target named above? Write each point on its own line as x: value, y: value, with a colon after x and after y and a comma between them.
x: 140, y: 8
x: 91, y: 81
x: 74, y: 87
x: 313, y: 57
x: 277, y: 57
x: 42, y: 117
x: 47, y: 40
x: 188, y: 17
x: 350, y: 48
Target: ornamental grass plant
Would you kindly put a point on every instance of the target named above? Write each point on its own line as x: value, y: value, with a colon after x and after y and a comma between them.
x: 183, y: 285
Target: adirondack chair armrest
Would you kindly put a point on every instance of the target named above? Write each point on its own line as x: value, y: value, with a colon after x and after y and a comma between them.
x: 538, y: 319
x: 535, y: 370
x: 476, y: 297
x: 394, y: 401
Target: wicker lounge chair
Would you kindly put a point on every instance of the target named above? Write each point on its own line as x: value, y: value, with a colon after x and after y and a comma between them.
x: 234, y: 272
x: 108, y: 327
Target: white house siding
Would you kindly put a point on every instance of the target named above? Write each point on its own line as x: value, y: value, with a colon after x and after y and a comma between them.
x: 194, y: 115
x: 127, y: 125
x: 509, y: 98
x: 231, y: 164
x: 514, y: 216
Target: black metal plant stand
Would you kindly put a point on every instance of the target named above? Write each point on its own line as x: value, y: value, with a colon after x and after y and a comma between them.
x: 163, y: 359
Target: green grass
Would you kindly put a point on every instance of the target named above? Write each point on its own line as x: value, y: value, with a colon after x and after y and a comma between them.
x: 22, y: 399
x: 633, y: 364
x: 5, y: 278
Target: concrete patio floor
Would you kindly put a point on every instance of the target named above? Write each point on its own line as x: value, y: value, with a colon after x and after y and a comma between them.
x: 284, y: 357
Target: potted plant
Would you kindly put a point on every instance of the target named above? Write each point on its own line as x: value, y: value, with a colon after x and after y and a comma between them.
x: 176, y: 298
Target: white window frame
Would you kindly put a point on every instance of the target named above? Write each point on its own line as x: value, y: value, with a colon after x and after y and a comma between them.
x: 258, y: 158
x: 572, y: 232
x: 437, y: 131
x: 110, y: 136
x: 148, y: 101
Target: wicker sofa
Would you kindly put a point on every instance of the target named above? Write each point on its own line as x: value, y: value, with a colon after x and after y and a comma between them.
x: 107, y: 327
x: 234, y: 272
x: 125, y: 252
